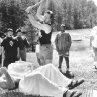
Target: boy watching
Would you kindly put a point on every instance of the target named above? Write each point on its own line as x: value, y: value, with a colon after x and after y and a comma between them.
x: 63, y: 44
x: 23, y: 44
x: 10, y: 49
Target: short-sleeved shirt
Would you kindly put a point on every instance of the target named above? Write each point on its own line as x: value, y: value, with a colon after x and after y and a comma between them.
x: 22, y: 43
x: 10, y: 45
x: 94, y: 35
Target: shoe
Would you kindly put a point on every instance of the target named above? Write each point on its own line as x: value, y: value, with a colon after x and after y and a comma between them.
x: 76, y: 83
x: 95, y: 67
x: 72, y: 93
x: 69, y: 74
x: 77, y: 95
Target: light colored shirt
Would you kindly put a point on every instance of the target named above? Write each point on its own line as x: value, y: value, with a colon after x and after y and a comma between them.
x: 94, y: 35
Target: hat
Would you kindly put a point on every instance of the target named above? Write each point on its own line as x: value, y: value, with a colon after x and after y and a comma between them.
x: 9, y: 29
x: 63, y: 25
x: 18, y: 30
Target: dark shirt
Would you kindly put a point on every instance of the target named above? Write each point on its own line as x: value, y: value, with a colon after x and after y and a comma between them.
x: 16, y: 85
x: 22, y: 43
x: 45, y: 38
x: 10, y: 45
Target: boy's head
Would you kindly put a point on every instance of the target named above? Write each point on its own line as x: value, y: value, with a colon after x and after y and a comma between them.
x: 63, y: 27
x: 19, y: 32
x: 9, y: 32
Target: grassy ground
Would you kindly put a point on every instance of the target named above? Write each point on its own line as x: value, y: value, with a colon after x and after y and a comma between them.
x: 81, y: 58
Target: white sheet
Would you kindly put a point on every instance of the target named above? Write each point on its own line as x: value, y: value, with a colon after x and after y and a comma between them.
x: 44, y: 81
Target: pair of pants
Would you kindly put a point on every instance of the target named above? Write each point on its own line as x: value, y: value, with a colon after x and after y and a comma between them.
x: 9, y: 61
x: 22, y: 54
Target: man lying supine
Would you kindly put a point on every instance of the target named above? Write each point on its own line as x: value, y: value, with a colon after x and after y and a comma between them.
x: 44, y: 81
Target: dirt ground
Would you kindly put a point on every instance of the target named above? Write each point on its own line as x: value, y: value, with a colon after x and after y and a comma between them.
x: 81, y: 60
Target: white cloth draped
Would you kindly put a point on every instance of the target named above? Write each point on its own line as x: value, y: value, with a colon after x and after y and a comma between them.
x: 44, y: 81
x: 94, y: 35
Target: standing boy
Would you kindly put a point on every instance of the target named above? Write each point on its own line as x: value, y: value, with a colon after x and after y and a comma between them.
x: 10, y: 51
x: 63, y: 44
x: 23, y: 44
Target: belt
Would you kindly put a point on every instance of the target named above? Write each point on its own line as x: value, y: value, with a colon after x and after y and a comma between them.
x: 44, y: 44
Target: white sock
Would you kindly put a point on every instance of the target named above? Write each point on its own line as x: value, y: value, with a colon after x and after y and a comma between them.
x: 95, y: 64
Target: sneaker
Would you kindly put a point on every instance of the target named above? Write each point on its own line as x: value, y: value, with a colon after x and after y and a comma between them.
x: 72, y: 93
x: 75, y: 83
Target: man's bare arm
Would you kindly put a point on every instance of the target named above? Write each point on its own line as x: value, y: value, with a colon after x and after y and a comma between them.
x: 34, y: 22
x: 31, y: 16
x: 40, y: 9
x: 30, y: 8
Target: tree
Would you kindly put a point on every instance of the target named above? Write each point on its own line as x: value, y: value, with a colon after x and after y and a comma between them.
x: 12, y: 15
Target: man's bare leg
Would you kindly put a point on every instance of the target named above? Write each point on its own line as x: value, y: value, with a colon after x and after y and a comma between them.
x: 7, y: 82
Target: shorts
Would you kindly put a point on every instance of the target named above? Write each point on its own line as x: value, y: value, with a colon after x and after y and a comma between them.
x: 46, y: 52
x: 63, y: 53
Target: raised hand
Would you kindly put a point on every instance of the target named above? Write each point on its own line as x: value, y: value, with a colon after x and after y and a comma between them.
x: 33, y: 6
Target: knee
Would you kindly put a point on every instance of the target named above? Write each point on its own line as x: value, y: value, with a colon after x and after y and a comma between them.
x: 3, y: 69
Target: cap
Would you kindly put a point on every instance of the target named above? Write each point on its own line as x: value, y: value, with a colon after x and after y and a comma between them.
x: 63, y: 25
x: 18, y: 30
x: 9, y: 29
